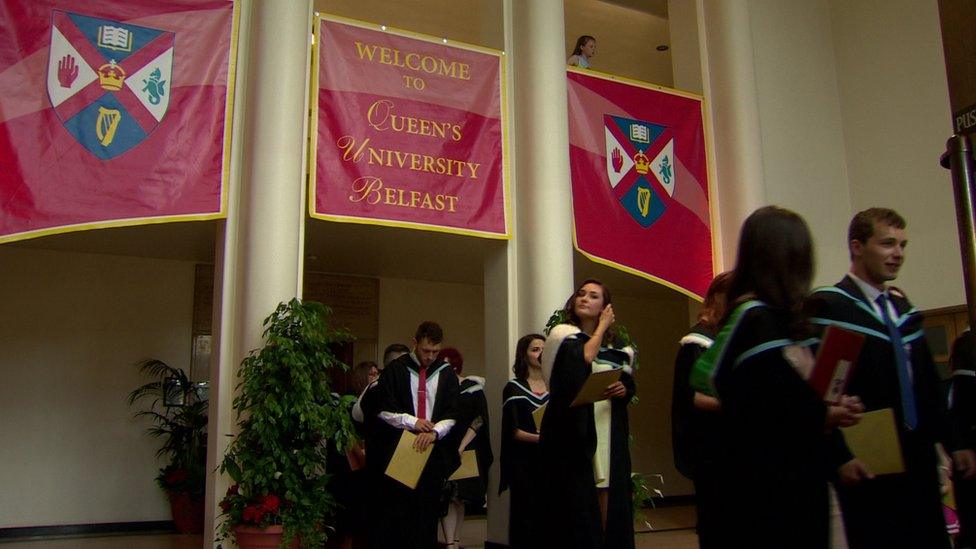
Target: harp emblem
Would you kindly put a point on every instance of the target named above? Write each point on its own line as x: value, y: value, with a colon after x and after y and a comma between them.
x: 107, y: 79
x: 106, y: 124
x: 643, y: 201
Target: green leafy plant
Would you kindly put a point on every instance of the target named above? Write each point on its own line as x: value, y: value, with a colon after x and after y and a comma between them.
x: 287, y: 417
x: 182, y: 426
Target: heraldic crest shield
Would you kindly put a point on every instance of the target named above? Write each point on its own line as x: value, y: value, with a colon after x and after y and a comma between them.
x: 640, y: 166
x: 109, y: 82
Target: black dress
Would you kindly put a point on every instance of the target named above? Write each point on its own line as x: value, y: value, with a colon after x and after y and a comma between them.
x: 521, y: 471
x: 774, y: 479
x: 473, y: 412
x: 695, y: 436
x: 568, y: 443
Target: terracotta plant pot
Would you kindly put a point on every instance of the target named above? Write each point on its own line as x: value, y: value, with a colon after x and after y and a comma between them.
x: 250, y: 537
x: 187, y: 512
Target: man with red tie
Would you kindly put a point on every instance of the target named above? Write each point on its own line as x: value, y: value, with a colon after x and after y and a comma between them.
x: 894, y: 370
x: 417, y: 393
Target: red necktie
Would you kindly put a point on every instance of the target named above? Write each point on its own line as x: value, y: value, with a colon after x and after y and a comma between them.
x: 422, y: 394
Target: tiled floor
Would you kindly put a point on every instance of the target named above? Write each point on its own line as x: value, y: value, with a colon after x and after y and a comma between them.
x: 672, y: 529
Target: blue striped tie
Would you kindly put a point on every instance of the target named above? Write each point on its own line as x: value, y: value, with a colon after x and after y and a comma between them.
x: 901, y: 362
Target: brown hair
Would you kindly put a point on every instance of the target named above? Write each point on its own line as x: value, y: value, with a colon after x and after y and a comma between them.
x: 862, y: 225
x: 580, y: 42
x: 569, y: 310
x: 521, y: 366
x: 774, y: 263
x: 713, y: 309
x: 430, y: 330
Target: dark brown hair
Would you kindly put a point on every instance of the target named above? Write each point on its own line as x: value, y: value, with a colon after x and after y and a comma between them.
x: 430, y: 330
x: 569, y: 310
x: 774, y: 263
x: 521, y: 366
x: 360, y: 375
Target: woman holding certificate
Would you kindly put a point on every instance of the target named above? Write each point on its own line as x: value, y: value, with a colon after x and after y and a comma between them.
x: 584, y: 445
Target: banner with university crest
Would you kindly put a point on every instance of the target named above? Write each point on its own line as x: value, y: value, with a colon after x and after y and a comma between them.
x: 408, y: 131
x: 640, y: 179
x: 113, y: 112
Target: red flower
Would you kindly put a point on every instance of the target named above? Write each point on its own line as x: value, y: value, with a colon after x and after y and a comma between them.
x: 233, y: 490
x: 225, y: 506
x: 270, y: 503
x: 252, y: 514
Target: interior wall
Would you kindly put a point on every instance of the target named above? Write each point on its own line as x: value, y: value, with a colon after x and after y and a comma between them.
x: 656, y: 325
x: 800, y: 120
x: 72, y: 327
x: 458, y: 308
x: 895, y: 108
x: 626, y: 39
x: 476, y: 22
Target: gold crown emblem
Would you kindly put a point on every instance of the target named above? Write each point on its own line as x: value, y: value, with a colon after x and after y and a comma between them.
x: 111, y: 76
x: 641, y: 163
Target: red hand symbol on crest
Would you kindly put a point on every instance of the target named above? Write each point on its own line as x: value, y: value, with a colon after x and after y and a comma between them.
x: 617, y: 160
x: 67, y: 71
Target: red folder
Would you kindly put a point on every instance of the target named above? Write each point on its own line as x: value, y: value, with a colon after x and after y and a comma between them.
x: 835, y: 362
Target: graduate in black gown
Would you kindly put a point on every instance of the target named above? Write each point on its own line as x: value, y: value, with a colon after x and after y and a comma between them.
x: 962, y: 411
x: 409, y: 517
x: 521, y: 471
x: 472, y: 433
x: 775, y: 443
x: 695, y: 424
x: 579, y: 513
x: 898, y: 510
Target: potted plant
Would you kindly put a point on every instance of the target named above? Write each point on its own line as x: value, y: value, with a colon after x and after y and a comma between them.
x: 287, y: 418
x: 178, y: 412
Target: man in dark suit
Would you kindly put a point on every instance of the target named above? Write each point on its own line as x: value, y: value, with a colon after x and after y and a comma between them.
x: 894, y: 370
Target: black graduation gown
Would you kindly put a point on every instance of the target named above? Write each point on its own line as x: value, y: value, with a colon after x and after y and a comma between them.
x: 472, y: 404
x: 409, y: 517
x: 695, y: 436
x: 962, y: 412
x: 521, y: 471
x: 774, y: 478
x: 901, y: 510
x: 568, y: 443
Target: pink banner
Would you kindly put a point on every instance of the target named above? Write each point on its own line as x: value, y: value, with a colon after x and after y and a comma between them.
x: 409, y: 132
x: 640, y: 180
x: 113, y: 112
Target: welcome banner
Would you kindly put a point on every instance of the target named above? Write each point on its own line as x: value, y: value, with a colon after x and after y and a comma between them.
x: 637, y: 157
x: 409, y: 131
x: 113, y: 112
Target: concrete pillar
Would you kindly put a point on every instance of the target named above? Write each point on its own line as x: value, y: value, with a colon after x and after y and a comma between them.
x: 259, y: 258
x: 534, y: 37
x: 729, y: 79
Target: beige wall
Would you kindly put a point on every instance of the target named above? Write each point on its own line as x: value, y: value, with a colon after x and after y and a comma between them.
x: 72, y: 326
x: 895, y: 109
x: 656, y: 325
x: 626, y: 40
x: 458, y: 308
x: 800, y: 121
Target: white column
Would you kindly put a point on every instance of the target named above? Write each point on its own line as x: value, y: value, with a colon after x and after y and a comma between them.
x: 260, y: 261
x: 729, y: 78
x: 534, y: 36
